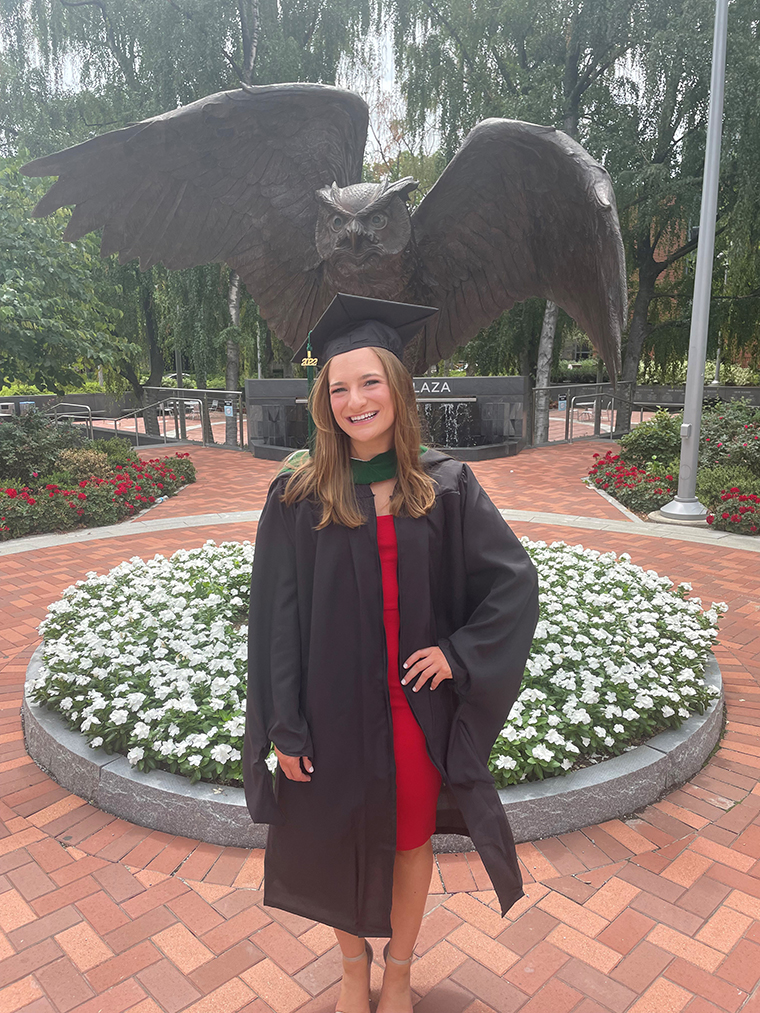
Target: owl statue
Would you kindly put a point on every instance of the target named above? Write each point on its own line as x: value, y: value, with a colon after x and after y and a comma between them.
x: 267, y: 180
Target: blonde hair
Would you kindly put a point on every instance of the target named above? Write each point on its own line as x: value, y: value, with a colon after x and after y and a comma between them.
x: 326, y: 476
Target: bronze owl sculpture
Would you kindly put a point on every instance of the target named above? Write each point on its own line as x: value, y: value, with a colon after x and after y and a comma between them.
x: 266, y: 179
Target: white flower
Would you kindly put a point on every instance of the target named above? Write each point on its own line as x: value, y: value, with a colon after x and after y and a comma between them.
x: 221, y: 752
x: 195, y: 760
x: 271, y: 762
x: 119, y: 717
x: 97, y: 741
x: 542, y: 753
x: 135, y: 754
x: 505, y: 762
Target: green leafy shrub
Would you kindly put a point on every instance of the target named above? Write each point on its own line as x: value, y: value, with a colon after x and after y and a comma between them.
x: 713, y: 482
x: 84, y: 462
x: 739, y: 376
x: 583, y: 372
x: 730, y: 434
x: 30, y: 444
x: 118, y: 450
x: 659, y: 437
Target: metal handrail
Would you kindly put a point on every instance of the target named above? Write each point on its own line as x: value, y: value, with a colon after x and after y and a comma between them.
x: 71, y: 404
x: 592, y: 391
x: 640, y: 405
x: 154, y: 404
x: 181, y: 394
x: 594, y: 397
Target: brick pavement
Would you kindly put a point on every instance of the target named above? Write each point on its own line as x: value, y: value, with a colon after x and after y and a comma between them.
x: 657, y: 913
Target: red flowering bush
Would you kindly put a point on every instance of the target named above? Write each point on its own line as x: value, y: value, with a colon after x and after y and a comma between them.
x: 737, y: 511
x: 26, y: 510
x: 640, y: 489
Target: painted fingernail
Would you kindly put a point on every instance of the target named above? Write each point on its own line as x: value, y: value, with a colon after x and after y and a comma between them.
x: 403, y: 682
x: 405, y: 665
x: 311, y: 770
x: 416, y: 688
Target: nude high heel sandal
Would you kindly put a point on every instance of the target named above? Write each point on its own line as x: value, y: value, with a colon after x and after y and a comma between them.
x: 395, y: 960
x: 369, y: 955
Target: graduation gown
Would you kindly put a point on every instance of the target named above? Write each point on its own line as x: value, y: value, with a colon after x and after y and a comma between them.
x: 317, y: 687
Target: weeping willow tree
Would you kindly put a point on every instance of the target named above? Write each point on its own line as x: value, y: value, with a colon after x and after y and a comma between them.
x: 629, y: 79
x: 70, y: 69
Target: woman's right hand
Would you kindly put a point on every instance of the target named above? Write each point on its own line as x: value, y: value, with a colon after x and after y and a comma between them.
x: 291, y: 766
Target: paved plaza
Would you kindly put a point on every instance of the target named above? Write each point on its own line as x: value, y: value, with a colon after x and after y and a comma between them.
x: 655, y: 913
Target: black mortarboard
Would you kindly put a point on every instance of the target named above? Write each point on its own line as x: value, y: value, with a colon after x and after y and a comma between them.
x: 354, y: 321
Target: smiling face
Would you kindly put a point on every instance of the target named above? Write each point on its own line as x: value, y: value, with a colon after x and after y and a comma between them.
x: 361, y: 401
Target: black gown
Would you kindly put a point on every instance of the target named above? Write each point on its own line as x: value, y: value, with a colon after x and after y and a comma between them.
x: 317, y: 687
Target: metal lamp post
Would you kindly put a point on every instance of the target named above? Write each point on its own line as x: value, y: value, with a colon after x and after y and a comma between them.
x: 686, y: 506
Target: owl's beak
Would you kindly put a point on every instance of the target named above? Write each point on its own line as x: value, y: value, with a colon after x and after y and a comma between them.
x: 355, y: 234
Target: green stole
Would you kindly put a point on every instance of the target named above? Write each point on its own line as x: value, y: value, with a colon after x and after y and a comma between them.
x: 377, y: 469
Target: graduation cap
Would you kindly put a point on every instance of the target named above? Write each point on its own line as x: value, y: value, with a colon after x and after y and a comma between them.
x: 354, y: 321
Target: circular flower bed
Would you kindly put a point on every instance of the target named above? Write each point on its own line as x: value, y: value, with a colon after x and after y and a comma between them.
x: 149, y: 660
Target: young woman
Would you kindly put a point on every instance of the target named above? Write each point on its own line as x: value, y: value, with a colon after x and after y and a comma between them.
x: 392, y: 611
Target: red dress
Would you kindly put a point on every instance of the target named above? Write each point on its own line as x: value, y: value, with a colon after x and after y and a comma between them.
x: 417, y: 780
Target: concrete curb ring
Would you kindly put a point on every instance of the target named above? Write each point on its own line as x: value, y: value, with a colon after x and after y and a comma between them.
x: 218, y: 815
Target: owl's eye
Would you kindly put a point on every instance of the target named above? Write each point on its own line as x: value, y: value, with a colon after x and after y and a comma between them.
x: 337, y: 222
x: 378, y: 221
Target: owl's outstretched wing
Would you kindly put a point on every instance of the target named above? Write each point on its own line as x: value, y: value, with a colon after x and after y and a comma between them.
x: 230, y: 178
x: 521, y: 210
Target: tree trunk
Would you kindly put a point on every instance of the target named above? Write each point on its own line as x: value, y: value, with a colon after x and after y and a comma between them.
x: 155, y: 357
x: 637, y: 335
x: 543, y: 371
x: 232, y: 379
x: 128, y: 372
x: 250, y: 25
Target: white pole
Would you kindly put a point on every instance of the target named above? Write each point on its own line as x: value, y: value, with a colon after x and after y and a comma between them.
x: 686, y: 506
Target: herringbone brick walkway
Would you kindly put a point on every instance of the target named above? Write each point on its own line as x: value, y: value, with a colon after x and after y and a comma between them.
x: 657, y: 913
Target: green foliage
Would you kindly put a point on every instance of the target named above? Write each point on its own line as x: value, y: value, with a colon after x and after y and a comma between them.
x: 730, y: 434
x: 576, y: 372
x: 713, y: 482
x: 52, y: 314
x: 30, y: 444
x: 659, y: 437
x: 118, y: 450
x: 645, y: 476
x: 510, y: 345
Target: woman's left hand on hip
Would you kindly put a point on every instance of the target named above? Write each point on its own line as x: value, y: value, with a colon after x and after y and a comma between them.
x: 429, y: 663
